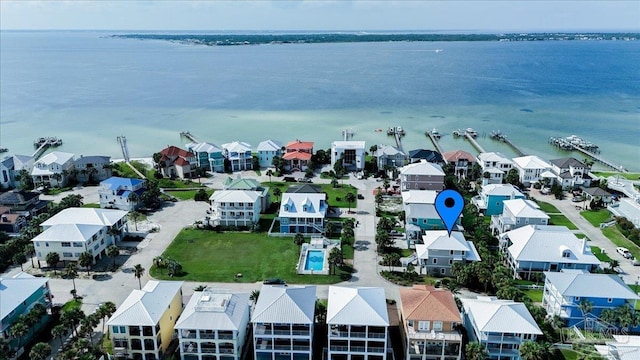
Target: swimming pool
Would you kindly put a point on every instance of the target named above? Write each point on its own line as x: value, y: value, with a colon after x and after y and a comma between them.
x: 315, y: 260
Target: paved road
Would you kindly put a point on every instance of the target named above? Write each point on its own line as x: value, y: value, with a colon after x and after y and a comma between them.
x: 629, y: 273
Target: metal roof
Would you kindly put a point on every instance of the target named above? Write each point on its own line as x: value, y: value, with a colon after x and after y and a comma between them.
x: 422, y: 167
x: 17, y: 289
x: 215, y: 309
x: 237, y: 146
x: 531, y: 162
x: 146, y: 306
x: 500, y: 316
x: 244, y: 196
x: 524, y: 209
x: 501, y: 190
x: 68, y: 232
x: 357, y: 306
x: 292, y: 205
x: 270, y: 145
x: 88, y: 216
x: 285, y: 304
x: 581, y: 284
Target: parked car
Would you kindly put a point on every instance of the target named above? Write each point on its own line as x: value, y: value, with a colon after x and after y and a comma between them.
x: 545, y: 191
x: 304, y: 180
x: 576, y: 199
x: 624, y: 252
x: 635, y: 262
x: 360, y: 196
x: 395, y: 233
x: 289, y: 179
x: 274, y: 281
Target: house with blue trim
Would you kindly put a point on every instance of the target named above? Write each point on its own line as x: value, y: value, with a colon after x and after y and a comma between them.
x: 490, y: 200
x: 208, y: 156
x: 267, y: 150
x: 121, y: 193
x: 516, y: 214
x: 303, y: 212
x: 565, y: 290
x: 18, y: 295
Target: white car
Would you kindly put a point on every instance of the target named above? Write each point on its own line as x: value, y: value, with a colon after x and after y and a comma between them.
x: 624, y: 252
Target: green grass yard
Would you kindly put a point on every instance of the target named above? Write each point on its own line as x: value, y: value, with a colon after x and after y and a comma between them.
x: 629, y: 176
x: 534, y: 294
x: 596, y: 217
x: 598, y: 253
x: 332, y: 193
x: 186, y: 194
x: 92, y: 205
x: 613, y: 234
x: 548, y: 208
x: 218, y: 257
x: 561, y: 220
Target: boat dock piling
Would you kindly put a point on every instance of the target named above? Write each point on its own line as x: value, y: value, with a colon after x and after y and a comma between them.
x: 473, y: 142
x: 125, y: 154
x: 43, y: 144
x: 498, y: 136
x: 434, y: 140
x: 189, y: 136
x: 589, y: 150
x: 398, y: 133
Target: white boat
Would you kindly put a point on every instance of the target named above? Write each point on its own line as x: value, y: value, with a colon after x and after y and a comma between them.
x: 471, y: 132
x: 435, y: 133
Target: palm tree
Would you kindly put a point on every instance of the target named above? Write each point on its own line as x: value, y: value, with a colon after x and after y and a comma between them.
x: 138, y: 271
x: 350, y: 198
x: 269, y: 173
x: 475, y: 351
x: 585, y: 306
x: 173, y: 267
x: 328, y: 229
x: 86, y: 260
x: 71, y: 318
x: 298, y: 239
x: 30, y: 251
x: 18, y: 330
x: 531, y: 350
x: 19, y: 259
x: 133, y: 199
x: 277, y: 192
x: 106, y: 310
x: 135, y: 216
x: 114, y: 232
x: 255, y: 294
x: 53, y: 258
x: 40, y: 351
x: 6, y: 351
x: 58, y: 332
x: 160, y: 263
x: 321, y: 312
x: 334, y: 183
x: 72, y: 272
x: 335, y: 258
x: 113, y: 251
x: 613, y: 264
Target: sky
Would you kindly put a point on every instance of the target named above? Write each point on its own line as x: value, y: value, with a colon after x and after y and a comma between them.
x: 327, y: 15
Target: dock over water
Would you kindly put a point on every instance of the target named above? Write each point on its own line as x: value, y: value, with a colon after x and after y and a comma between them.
x: 397, y: 133
x: 566, y: 144
x: 473, y: 142
x: 434, y: 140
x: 498, y: 136
x: 43, y: 144
x: 189, y: 136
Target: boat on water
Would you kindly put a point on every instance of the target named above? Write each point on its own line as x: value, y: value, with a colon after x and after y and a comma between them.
x: 50, y: 141
x: 378, y: 130
x: 471, y: 132
x: 457, y: 133
x: 3, y: 149
x: 396, y: 130
x: 435, y: 133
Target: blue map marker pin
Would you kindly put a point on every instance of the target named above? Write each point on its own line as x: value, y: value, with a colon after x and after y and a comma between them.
x: 449, y: 205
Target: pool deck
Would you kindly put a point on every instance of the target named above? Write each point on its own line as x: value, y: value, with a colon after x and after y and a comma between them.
x: 326, y: 247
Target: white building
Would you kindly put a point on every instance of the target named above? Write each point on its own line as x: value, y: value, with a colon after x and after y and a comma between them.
x: 142, y: 326
x: 53, y: 169
x: 76, y: 230
x: 571, y: 173
x: 536, y: 248
x: 213, y: 325
x: 496, y: 166
x: 267, y: 150
x: 351, y: 152
x: 235, y: 208
x: 501, y: 326
x: 283, y: 320
x: 440, y: 251
x: 239, y: 155
x: 358, y: 323
x: 303, y: 212
x: 208, y: 156
x: 92, y: 169
x: 390, y: 156
x: 121, y: 193
x: 422, y: 175
x: 531, y: 169
x: 517, y: 213
x: 624, y: 347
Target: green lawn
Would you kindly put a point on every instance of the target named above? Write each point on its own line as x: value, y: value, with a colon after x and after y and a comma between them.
x: 630, y: 176
x: 561, y: 220
x: 596, y: 217
x: 72, y: 304
x: 534, y: 294
x: 598, y: 253
x: 218, y: 257
x: 332, y: 193
x: 613, y: 234
x: 96, y: 206
x: 548, y: 208
x: 123, y: 170
x: 569, y: 354
x: 580, y: 236
x: 186, y: 194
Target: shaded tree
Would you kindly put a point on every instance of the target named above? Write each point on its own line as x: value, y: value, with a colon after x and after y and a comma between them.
x: 335, y: 258
x: 40, y: 351
x: 350, y: 197
x: 277, y: 192
x: 298, y: 239
x: 138, y: 272
x: 105, y: 311
x: 53, y: 258
x: 113, y: 251
x: 135, y: 216
x: 269, y: 173
x: 320, y: 312
x: 71, y: 272
x: 475, y: 351
x: 86, y: 260
x: 255, y: 294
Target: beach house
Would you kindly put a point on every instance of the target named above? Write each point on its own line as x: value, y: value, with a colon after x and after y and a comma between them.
x: 283, y: 320
x: 430, y: 323
x: 517, y: 213
x: 439, y: 251
x: 93, y: 169
x: 531, y: 168
x: 501, y: 326
x: 121, y: 193
x: 537, y: 248
x: 461, y: 161
x: 425, y: 154
x: 213, y: 325
x: 267, y: 150
x: 239, y: 156
x: 6, y: 173
x: 388, y: 156
x: 11, y: 223
x: 571, y: 173
x: 176, y: 162
x: 248, y: 184
x: 18, y: 295
x: 235, y: 208
x: 208, y: 156
x: 495, y: 167
x: 297, y: 155
x: 490, y: 199
x: 564, y: 291
x: 302, y: 212
x: 76, y: 230
x: 26, y: 203
x: 422, y: 175
x: 622, y: 347
x: 358, y: 323
x: 53, y: 169
x: 420, y: 212
x: 351, y: 153
x: 142, y: 326
x: 597, y: 194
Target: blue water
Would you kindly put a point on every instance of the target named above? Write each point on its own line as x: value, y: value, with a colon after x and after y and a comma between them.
x: 87, y: 89
x: 315, y: 260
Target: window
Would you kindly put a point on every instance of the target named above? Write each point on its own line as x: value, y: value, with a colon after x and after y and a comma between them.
x: 435, y: 261
x: 66, y: 244
x: 76, y: 255
x: 424, y: 325
x: 437, y: 325
x: 450, y: 252
x: 577, y: 298
x: 450, y: 261
x: 442, y: 271
x: 46, y: 244
x: 115, y: 329
x: 77, y: 244
x: 36, y: 243
x: 610, y: 300
x: 67, y: 254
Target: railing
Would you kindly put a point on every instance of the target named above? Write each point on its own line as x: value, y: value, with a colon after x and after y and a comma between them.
x: 225, y: 336
x: 446, y: 336
x: 503, y: 339
x: 207, y: 336
x: 227, y: 351
x: 208, y: 350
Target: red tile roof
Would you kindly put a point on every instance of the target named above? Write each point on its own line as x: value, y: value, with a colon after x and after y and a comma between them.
x: 424, y: 302
x: 296, y: 156
x: 176, y: 151
x: 300, y: 145
x: 181, y: 162
x: 457, y: 155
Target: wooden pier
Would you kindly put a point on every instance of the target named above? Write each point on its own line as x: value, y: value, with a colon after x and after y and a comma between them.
x: 569, y: 146
x: 498, y: 136
x: 189, y: 136
x: 473, y: 142
x: 125, y: 154
x: 397, y: 132
x: 43, y: 144
x: 434, y: 140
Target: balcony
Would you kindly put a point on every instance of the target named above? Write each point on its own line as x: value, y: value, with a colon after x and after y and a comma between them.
x: 503, y: 339
x: 435, y: 335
